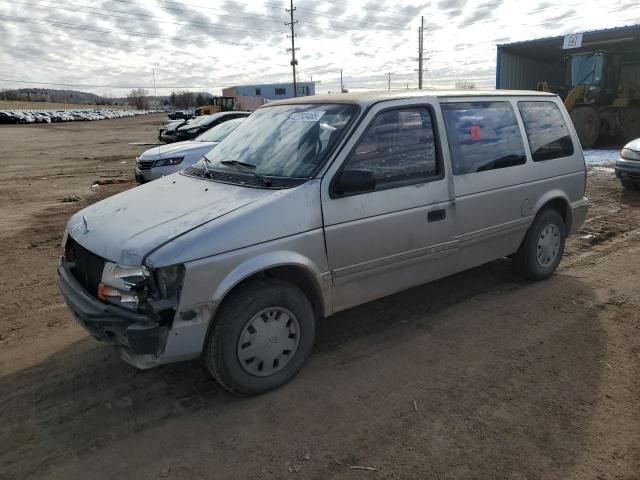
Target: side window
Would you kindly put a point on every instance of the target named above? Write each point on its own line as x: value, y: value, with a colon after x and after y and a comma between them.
x: 547, y: 131
x: 483, y: 136
x: 398, y: 147
x: 281, y: 91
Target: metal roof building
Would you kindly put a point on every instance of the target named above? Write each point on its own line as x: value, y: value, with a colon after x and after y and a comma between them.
x: 521, y: 65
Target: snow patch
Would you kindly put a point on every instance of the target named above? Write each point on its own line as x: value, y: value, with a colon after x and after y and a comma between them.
x: 601, y: 157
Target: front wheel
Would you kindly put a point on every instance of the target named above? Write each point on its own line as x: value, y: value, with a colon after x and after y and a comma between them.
x: 543, y: 246
x: 261, y: 337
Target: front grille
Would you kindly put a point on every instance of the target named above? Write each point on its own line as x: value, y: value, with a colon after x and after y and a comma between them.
x: 87, y: 267
x: 145, y: 164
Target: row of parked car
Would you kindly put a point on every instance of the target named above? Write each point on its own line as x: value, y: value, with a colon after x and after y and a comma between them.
x: 45, y: 116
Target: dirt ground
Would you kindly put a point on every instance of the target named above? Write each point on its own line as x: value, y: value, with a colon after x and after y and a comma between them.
x: 478, y: 376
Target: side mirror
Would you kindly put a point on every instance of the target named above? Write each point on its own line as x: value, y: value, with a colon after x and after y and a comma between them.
x: 355, y: 181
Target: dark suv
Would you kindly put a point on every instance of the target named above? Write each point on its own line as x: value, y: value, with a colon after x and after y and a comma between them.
x: 201, y: 124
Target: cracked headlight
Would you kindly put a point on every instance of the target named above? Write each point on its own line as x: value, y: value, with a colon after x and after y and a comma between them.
x: 169, y: 281
x: 168, y: 161
x: 122, y: 285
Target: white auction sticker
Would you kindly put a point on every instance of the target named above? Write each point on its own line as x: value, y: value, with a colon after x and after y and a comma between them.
x: 312, y: 116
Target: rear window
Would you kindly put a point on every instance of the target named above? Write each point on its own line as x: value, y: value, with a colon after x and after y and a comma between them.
x: 483, y: 136
x: 547, y: 131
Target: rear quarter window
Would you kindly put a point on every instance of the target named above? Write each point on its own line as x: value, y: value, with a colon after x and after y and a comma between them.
x: 483, y: 136
x: 547, y: 131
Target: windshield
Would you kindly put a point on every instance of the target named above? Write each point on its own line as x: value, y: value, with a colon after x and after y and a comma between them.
x: 201, y: 120
x: 283, y: 140
x: 219, y: 132
x: 586, y: 69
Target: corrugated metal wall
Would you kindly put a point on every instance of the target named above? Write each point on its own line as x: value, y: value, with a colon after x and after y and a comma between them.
x: 630, y: 72
x: 523, y: 73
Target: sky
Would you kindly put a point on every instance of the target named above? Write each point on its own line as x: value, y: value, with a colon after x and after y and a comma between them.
x: 109, y: 47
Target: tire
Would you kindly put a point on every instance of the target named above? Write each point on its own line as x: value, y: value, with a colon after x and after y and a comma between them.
x: 541, y: 250
x: 271, y: 317
x: 629, y: 119
x: 629, y: 185
x: 586, y: 121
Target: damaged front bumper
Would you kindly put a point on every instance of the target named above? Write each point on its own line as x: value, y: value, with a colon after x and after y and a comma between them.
x: 139, y: 338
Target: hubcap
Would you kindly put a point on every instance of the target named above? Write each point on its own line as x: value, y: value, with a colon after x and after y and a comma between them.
x: 548, y: 245
x: 268, y: 341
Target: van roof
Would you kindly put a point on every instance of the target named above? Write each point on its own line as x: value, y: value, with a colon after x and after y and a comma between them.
x: 367, y: 98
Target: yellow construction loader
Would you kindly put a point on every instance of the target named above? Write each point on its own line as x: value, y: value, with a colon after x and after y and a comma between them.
x: 218, y: 104
x: 600, y: 101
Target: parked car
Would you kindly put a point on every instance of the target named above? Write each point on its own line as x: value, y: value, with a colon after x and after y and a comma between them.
x: 314, y: 205
x: 7, y: 117
x: 201, y: 124
x: 164, y: 160
x: 628, y: 165
x: 180, y: 115
x: 167, y: 132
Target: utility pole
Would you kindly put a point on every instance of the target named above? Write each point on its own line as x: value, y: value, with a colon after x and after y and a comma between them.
x: 341, y: 85
x: 420, y: 52
x: 293, y: 48
x: 155, y: 91
x: 388, y: 81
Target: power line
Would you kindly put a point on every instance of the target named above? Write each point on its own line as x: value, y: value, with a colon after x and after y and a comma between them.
x: 109, y: 30
x: 199, y: 7
x: 319, y: 13
x: 151, y: 18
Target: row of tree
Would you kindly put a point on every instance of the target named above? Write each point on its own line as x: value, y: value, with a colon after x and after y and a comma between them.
x: 183, y: 99
x: 187, y: 99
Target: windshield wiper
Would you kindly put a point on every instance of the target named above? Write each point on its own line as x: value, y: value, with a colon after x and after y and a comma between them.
x: 248, y: 168
x: 205, y: 163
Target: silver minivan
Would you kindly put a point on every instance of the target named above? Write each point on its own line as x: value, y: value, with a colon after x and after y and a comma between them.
x: 315, y: 205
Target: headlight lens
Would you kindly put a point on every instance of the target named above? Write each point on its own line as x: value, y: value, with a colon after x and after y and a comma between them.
x: 169, y: 161
x: 629, y: 154
x: 121, y: 285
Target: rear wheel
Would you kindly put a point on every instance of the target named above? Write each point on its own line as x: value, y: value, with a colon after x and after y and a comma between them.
x: 586, y: 121
x: 543, y: 246
x: 261, y: 337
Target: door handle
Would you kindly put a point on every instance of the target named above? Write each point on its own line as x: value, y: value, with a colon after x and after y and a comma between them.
x: 436, y: 215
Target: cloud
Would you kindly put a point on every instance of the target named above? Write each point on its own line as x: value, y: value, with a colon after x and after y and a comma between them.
x: 479, y: 14
x: 236, y: 41
x: 557, y: 21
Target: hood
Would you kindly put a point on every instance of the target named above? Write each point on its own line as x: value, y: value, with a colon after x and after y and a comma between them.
x: 128, y: 226
x: 178, y: 149
x: 173, y: 126
x: 189, y: 126
x: 634, y: 145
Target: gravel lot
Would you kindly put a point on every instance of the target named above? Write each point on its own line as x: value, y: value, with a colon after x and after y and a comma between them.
x: 481, y: 375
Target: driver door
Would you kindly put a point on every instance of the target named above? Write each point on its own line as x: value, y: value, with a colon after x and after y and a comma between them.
x: 399, y: 234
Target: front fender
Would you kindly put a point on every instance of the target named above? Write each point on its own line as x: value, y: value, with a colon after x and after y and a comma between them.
x: 269, y: 260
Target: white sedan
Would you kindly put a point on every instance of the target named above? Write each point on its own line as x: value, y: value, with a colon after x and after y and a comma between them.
x: 166, y: 159
x: 628, y: 165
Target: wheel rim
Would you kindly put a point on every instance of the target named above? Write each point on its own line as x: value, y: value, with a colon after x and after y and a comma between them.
x: 268, y: 341
x: 548, y: 245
